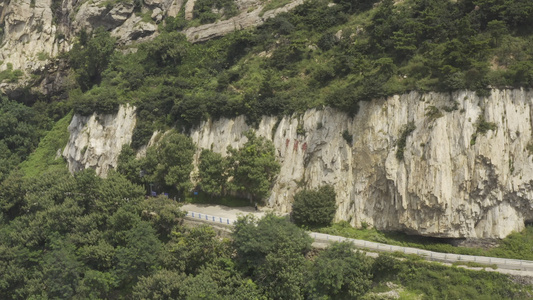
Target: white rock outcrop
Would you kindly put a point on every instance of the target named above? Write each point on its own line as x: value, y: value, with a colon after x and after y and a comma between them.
x: 29, y: 37
x: 244, y: 20
x: 447, y: 185
x: 96, y: 141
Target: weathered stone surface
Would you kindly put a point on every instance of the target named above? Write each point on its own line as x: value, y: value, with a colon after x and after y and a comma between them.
x: 189, y: 7
x: 96, y: 14
x: 133, y: 29
x: 29, y: 31
x: 446, y: 186
x: 241, y: 21
x: 34, y: 34
x: 96, y: 141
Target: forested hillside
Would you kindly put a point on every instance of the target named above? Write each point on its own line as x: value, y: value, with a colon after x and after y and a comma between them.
x: 79, y: 236
x: 83, y: 237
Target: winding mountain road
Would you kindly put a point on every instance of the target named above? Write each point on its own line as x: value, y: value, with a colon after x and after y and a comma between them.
x: 225, y: 216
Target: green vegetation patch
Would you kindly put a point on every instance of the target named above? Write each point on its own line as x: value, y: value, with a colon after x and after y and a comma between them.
x: 47, y: 155
x: 209, y: 11
x: 517, y: 245
x: 435, y: 281
x: 317, y: 54
x: 273, y: 4
x: 314, y: 207
x: 405, y: 132
x: 482, y: 127
x: 10, y: 75
x: 227, y: 200
x: 85, y: 237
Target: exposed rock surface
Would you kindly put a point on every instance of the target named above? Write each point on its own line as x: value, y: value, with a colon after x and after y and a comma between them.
x: 29, y: 35
x: 446, y: 186
x: 96, y: 141
x: 244, y: 20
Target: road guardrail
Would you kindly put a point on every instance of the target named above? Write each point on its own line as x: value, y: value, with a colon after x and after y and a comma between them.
x: 505, y: 263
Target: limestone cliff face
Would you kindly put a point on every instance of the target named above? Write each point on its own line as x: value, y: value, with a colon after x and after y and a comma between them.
x: 449, y: 183
x: 29, y: 34
x: 96, y: 141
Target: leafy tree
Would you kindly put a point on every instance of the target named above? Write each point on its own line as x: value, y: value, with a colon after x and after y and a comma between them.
x: 163, y: 213
x: 128, y: 165
x: 253, y: 167
x: 12, y: 196
x: 163, y: 285
x: 166, y: 52
x: 203, y: 10
x: 169, y: 163
x: 212, y: 171
x: 314, y: 207
x: 341, y: 273
x: 61, y: 270
x: 90, y: 59
x: 282, y: 274
x: 385, y: 267
x: 196, y: 247
x: 220, y: 280
x: 20, y: 130
x: 100, y: 99
x: 140, y: 256
x: 272, y: 250
x: 96, y: 284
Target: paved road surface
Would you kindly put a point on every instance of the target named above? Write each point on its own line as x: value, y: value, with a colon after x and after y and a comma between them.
x: 227, y: 215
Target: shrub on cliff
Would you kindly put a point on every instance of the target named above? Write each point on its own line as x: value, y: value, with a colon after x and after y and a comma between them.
x: 314, y: 207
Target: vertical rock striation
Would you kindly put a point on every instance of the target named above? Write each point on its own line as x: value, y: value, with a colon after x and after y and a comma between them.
x: 453, y: 181
x: 96, y: 141
x: 466, y: 172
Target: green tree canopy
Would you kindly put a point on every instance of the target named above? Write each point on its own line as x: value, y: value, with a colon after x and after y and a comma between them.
x: 90, y: 57
x: 272, y: 251
x: 253, y: 167
x: 169, y: 163
x: 341, y: 273
x: 314, y: 207
x: 212, y: 172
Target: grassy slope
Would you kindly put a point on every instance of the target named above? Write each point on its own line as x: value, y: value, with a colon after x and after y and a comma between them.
x: 44, y: 158
x: 517, y: 245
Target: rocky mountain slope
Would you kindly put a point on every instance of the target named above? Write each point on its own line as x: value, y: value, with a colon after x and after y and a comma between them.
x: 35, y: 32
x: 455, y: 179
x: 445, y: 165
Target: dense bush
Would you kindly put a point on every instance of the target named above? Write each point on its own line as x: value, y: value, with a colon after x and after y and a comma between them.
x: 203, y: 10
x: 314, y: 207
x: 339, y: 272
x: 406, y: 130
x: 266, y: 246
x: 169, y: 163
x: 212, y: 171
x: 89, y: 57
x: 20, y: 129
